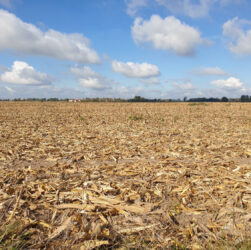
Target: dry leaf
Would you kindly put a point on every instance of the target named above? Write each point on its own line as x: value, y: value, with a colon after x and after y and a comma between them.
x: 60, y: 229
x: 91, y: 244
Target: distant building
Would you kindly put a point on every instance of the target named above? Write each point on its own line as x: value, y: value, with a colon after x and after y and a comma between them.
x: 75, y: 100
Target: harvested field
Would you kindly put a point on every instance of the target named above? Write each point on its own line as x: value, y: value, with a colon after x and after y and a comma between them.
x: 123, y: 175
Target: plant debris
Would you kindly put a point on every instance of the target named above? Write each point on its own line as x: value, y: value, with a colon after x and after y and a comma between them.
x: 172, y: 175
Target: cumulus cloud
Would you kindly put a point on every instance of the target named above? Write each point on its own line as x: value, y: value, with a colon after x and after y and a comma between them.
x: 93, y: 83
x: 152, y: 80
x: 233, y: 28
x: 240, y: 39
x: 88, y: 78
x: 167, y: 34
x: 83, y: 72
x: 210, y: 71
x: 185, y: 86
x: 22, y: 73
x: 130, y: 92
x: 194, y: 9
x: 135, y: 70
x: 3, y: 68
x: 230, y: 83
x: 187, y: 7
x: 134, y: 5
x: 28, y: 39
x: 10, y: 89
x: 191, y: 8
x: 31, y: 91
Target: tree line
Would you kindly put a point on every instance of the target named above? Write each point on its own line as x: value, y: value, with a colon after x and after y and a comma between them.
x: 243, y: 98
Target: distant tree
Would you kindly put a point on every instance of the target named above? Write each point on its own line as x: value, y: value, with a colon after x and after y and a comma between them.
x: 224, y: 99
x: 137, y: 98
x: 203, y: 99
x: 185, y: 99
x: 244, y: 98
x: 53, y: 99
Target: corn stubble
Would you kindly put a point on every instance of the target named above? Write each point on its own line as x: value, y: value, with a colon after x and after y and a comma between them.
x: 87, y: 175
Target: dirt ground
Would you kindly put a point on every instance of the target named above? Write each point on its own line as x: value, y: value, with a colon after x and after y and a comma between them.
x: 125, y: 175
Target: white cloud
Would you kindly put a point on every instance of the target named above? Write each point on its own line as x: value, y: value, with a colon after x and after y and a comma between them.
x: 5, y: 3
x: 185, y: 86
x: 10, y: 89
x: 210, y: 71
x: 88, y: 78
x: 134, y: 5
x: 194, y: 9
x: 230, y: 83
x: 130, y: 92
x: 93, y: 83
x: 83, y: 72
x: 28, y: 39
x: 152, y: 80
x: 232, y: 28
x: 22, y: 73
x: 240, y: 39
x: 167, y: 34
x: 135, y: 70
x: 191, y: 8
x: 3, y: 68
x: 31, y: 91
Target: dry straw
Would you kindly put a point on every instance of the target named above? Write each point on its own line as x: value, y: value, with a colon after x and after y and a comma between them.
x: 180, y: 176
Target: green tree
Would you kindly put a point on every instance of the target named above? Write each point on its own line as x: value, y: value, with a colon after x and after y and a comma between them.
x: 244, y: 98
x: 224, y: 99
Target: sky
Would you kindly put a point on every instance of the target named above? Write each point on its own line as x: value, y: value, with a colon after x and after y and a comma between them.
x: 123, y: 48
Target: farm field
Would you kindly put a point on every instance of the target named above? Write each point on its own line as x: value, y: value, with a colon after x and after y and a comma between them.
x: 125, y: 175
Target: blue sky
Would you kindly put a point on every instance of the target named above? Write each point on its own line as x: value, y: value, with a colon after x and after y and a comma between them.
x: 123, y: 48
